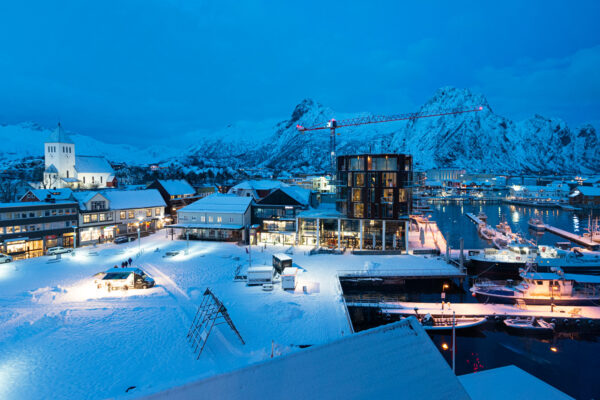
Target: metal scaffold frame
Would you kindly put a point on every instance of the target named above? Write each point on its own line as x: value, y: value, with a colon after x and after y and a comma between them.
x: 211, y: 312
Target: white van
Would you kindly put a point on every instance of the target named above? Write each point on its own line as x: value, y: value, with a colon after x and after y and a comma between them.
x: 125, y: 278
x: 57, y: 250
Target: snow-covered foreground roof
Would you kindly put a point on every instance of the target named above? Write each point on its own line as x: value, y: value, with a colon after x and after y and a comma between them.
x: 392, y: 361
x: 300, y: 194
x: 226, y: 203
x: 508, y: 382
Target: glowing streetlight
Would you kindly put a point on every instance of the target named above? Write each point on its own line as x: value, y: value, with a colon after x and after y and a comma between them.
x: 139, y: 218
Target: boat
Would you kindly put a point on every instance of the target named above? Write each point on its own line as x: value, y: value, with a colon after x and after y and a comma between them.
x: 486, y: 231
x: 529, y: 325
x: 482, y: 216
x: 500, y: 241
x: 542, y: 288
x: 536, y: 224
x: 504, y: 227
x: 505, y: 263
x: 441, y: 323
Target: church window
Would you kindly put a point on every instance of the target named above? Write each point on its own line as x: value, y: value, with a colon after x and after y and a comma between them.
x: 84, y: 179
x: 67, y: 173
x: 92, y: 179
x: 100, y: 179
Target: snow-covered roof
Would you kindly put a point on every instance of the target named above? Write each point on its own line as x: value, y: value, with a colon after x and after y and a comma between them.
x: 177, y: 187
x: 123, y: 199
x: 207, y: 226
x: 297, y: 193
x: 57, y: 194
x: 59, y: 136
x: 127, y: 199
x: 25, y: 204
x: 51, y: 169
x: 391, y: 361
x: 492, y: 385
x: 325, y: 210
x: 589, y: 190
x: 217, y: 202
x: 92, y: 164
x: 259, y: 185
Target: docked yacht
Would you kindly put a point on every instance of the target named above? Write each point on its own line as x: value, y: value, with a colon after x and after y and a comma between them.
x: 536, y: 224
x: 542, y: 288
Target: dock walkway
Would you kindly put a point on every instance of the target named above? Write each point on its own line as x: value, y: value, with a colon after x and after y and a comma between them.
x: 478, y: 309
x: 580, y: 240
x: 474, y: 218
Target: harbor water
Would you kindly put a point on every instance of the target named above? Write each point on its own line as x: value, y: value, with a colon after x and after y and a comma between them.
x: 568, y: 359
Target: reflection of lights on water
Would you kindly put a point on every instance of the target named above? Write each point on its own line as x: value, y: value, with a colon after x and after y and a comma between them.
x: 575, y: 223
x: 553, y: 349
x: 499, y: 211
x: 515, y: 217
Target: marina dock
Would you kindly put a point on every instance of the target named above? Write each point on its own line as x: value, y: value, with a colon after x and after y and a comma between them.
x: 564, y: 313
x: 474, y: 218
x: 580, y: 240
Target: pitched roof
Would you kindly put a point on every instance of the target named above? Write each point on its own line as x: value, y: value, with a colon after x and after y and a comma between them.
x: 259, y: 185
x: 51, y: 169
x: 177, y: 187
x: 220, y: 203
x: 59, y: 136
x: 123, y: 199
x: 301, y: 195
x: 58, y: 194
x: 589, y: 190
x: 92, y: 164
x: 126, y: 199
x: 397, y: 360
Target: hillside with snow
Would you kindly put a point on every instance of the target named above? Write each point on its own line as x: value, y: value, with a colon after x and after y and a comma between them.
x: 481, y: 141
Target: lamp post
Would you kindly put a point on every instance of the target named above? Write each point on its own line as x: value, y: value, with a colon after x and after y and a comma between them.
x: 74, y: 238
x: 444, y: 287
x: 139, y: 234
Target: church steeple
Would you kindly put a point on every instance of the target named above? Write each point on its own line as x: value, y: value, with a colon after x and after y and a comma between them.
x: 60, y: 136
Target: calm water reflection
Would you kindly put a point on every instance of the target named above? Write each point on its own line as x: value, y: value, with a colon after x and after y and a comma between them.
x: 454, y: 224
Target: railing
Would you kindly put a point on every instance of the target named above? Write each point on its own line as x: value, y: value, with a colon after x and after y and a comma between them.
x: 400, y: 272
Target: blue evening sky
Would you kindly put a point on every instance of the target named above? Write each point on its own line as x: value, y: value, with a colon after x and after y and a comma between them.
x: 140, y: 71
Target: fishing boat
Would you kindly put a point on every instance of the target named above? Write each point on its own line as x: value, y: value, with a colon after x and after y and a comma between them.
x: 482, y: 216
x: 542, y: 288
x: 536, y: 224
x: 441, y: 323
x: 501, y: 241
x: 504, y: 227
x: 530, y: 325
x: 486, y: 231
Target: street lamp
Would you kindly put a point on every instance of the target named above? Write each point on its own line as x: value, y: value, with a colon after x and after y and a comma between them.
x: 74, y: 238
x: 139, y: 218
x: 444, y: 287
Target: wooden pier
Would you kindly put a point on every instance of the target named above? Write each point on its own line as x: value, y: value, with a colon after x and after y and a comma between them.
x: 580, y: 240
x: 474, y: 218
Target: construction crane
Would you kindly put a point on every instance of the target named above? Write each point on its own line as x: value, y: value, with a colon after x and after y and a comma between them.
x: 333, y: 124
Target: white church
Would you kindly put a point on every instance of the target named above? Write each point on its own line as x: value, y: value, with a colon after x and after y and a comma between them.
x: 65, y: 169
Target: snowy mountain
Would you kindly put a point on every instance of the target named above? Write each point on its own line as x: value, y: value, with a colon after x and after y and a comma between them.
x: 481, y: 141
x: 27, y: 140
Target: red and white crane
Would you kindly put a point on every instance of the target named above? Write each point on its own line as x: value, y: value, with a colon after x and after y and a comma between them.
x: 333, y: 124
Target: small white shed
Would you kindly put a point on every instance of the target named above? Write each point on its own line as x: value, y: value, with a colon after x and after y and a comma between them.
x: 260, y: 275
x: 289, y: 278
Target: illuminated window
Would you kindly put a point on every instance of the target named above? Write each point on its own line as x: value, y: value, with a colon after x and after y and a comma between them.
x: 356, y: 195
x: 359, y: 210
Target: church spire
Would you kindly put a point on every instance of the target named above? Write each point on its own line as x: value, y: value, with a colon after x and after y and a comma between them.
x: 60, y: 136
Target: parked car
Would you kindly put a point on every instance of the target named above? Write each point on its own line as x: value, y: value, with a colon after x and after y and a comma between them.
x: 57, y: 250
x: 5, y: 259
x: 124, y: 279
x: 122, y: 239
x: 171, y: 253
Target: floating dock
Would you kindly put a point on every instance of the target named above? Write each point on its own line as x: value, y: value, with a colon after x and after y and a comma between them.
x: 580, y: 240
x: 474, y: 218
x: 568, y: 313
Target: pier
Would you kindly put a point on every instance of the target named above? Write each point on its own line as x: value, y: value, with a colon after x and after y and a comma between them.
x: 474, y: 218
x: 580, y: 240
x: 500, y: 311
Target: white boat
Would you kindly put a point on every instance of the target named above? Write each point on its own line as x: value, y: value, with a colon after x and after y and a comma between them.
x: 486, y: 231
x: 536, y: 224
x: 542, y: 288
x: 501, y: 242
x: 440, y: 323
x: 529, y: 325
x: 504, y: 227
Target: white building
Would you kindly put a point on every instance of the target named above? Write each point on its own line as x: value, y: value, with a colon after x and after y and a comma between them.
x: 104, y: 215
x: 63, y: 168
x: 256, y: 189
x: 216, y: 217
